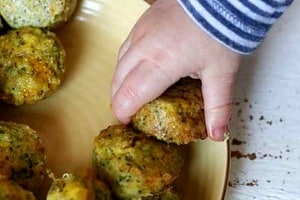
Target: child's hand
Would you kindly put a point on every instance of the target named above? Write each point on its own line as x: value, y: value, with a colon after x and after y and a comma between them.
x: 164, y: 46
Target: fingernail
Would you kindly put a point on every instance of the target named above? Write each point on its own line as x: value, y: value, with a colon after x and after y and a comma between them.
x: 219, y: 134
x: 121, y: 110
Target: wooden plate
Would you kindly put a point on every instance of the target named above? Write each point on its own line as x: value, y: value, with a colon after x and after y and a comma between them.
x: 69, y: 120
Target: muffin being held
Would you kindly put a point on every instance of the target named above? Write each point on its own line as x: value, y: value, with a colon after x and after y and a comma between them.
x: 177, y: 116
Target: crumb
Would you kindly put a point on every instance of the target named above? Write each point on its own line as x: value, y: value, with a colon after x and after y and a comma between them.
x: 265, y: 155
x: 251, y: 117
x: 237, y: 103
x: 261, y: 118
x: 269, y: 122
x: 238, y: 155
x: 252, y: 183
x: 239, y: 112
x: 236, y: 182
x: 252, y: 156
x: 237, y: 142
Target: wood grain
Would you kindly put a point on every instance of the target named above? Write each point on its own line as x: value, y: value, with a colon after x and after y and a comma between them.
x: 265, y: 124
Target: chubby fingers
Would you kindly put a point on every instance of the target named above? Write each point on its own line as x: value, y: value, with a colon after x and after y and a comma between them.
x: 143, y: 83
x: 126, y: 61
x: 217, y: 89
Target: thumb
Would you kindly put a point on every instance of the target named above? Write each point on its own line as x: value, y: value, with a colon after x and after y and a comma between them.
x: 143, y: 83
x: 217, y: 95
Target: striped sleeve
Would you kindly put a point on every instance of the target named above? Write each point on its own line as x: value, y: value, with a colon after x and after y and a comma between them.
x: 241, y: 25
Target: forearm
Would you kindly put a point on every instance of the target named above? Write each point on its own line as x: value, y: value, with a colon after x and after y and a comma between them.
x: 241, y: 25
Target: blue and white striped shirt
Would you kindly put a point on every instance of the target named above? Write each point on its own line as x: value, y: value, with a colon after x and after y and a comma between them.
x: 240, y: 25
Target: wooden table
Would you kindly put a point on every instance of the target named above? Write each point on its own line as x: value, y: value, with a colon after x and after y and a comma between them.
x: 265, y: 126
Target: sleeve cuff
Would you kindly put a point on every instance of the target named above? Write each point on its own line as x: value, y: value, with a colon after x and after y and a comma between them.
x: 240, y: 25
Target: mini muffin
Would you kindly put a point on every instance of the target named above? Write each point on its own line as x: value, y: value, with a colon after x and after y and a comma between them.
x: 177, y: 116
x: 135, y: 166
x: 36, y: 13
x: 12, y: 191
x: 31, y: 65
x: 79, y: 187
x: 22, y: 155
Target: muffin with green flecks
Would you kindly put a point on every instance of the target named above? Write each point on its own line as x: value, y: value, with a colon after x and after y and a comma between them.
x: 134, y: 165
x: 36, y: 13
x: 177, y: 116
x: 31, y: 65
x: 22, y: 156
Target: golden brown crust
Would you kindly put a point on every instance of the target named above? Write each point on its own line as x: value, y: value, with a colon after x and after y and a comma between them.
x: 46, y: 14
x: 135, y: 166
x: 177, y: 116
x: 22, y: 156
x: 31, y: 65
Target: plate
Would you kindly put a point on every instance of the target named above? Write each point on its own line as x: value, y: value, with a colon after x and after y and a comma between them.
x: 69, y: 120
